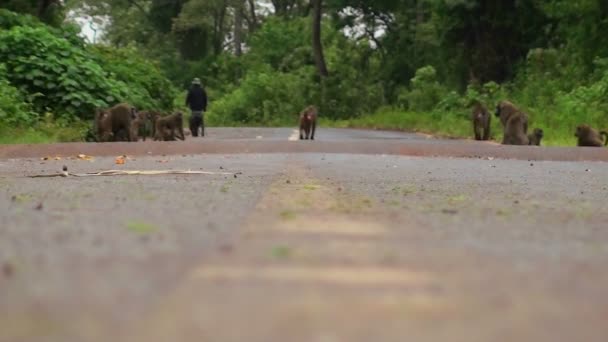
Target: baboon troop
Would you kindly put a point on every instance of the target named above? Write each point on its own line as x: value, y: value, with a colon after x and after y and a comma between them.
x: 515, y: 127
x: 481, y: 122
x: 535, y: 137
x: 124, y: 123
x: 590, y: 137
x: 308, y: 123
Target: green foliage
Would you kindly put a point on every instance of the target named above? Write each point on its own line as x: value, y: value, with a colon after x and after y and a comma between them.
x: 284, y: 45
x: 264, y: 98
x: 148, y: 87
x: 43, y: 132
x: 59, y: 76
x: 426, y: 92
x: 14, y: 109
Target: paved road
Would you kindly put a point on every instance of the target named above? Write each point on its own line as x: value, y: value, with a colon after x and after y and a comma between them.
x: 328, y: 245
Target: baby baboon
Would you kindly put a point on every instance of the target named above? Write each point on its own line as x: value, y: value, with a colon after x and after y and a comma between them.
x: 165, y: 127
x: 114, y: 124
x: 588, y: 136
x: 515, y: 133
x: 505, y: 109
x: 535, y: 137
x: 308, y: 123
x: 103, y: 126
x: 481, y: 121
x: 141, y: 126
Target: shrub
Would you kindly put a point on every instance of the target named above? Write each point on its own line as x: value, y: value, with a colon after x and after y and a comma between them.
x: 14, y: 109
x: 61, y: 77
x: 268, y: 97
x: 426, y: 91
x: 148, y: 87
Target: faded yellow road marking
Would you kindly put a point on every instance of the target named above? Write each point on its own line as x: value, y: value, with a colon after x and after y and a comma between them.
x: 334, y: 275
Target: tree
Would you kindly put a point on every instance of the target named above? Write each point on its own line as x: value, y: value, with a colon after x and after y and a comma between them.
x: 316, y: 38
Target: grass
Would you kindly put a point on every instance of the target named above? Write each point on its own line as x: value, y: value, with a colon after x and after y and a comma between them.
x: 141, y: 227
x: 558, y: 127
x: 281, y: 252
x: 43, y: 133
x: 288, y: 215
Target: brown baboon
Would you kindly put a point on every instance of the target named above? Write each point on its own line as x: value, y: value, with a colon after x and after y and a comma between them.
x: 505, y: 109
x: 535, y: 137
x: 166, y: 126
x: 308, y: 123
x: 141, y: 126
x: 103, y: 126
x: 481, y: 121
x: 588, y: 136
x: 114, y: 124
x: 515, y: 133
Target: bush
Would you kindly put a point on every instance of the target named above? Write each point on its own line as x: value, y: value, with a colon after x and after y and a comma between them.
x: 14, y: 109
x: 59, y: 76
x: 148, y: 87
x: 268, y: 98
x: 426, y: 91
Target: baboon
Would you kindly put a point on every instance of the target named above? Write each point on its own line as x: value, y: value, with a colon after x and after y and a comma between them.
x: 515, y: 132
x: 588, y: 136
x: 308, y: 123
x: 481, y: 121
x: 103, y: 126
x: 114, y: 124
x: 166, y: 126
x: 141, y: 126
x: 535, y: 137
x: 505, y: 109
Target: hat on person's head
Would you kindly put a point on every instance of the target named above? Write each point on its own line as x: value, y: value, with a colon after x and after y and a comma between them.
x: 196, y: 81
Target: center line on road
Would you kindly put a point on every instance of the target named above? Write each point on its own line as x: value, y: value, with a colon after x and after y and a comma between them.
x: 295, y: 135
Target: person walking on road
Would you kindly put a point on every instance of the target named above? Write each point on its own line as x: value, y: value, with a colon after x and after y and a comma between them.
x: 197, y: 102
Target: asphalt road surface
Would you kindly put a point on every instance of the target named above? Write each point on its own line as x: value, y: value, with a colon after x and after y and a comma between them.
x: 356, y: 236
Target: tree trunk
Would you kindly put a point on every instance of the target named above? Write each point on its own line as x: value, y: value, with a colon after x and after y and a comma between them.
x: 316, y: 38
x: 43, y: 6
x: 238, y: 28
x: 254, y: 19
x: 218, y: 28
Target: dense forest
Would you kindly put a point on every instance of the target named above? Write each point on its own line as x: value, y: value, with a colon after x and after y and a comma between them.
x: 407, y: 64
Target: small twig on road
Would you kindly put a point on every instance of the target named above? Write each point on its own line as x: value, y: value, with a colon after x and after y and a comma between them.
x: 136, y: 172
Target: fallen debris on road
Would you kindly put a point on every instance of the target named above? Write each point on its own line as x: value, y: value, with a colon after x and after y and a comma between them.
x: 136, y: 172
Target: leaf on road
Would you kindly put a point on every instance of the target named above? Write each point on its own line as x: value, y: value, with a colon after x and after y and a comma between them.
x: 85, y: 157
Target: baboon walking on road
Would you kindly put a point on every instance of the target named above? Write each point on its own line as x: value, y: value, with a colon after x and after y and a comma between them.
x: 481, y: 122
x: 308, y: 123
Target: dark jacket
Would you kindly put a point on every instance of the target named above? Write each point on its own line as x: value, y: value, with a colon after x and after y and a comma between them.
x: 197, y: 99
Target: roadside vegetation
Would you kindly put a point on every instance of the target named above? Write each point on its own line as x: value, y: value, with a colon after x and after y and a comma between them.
x: 414, y: 65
